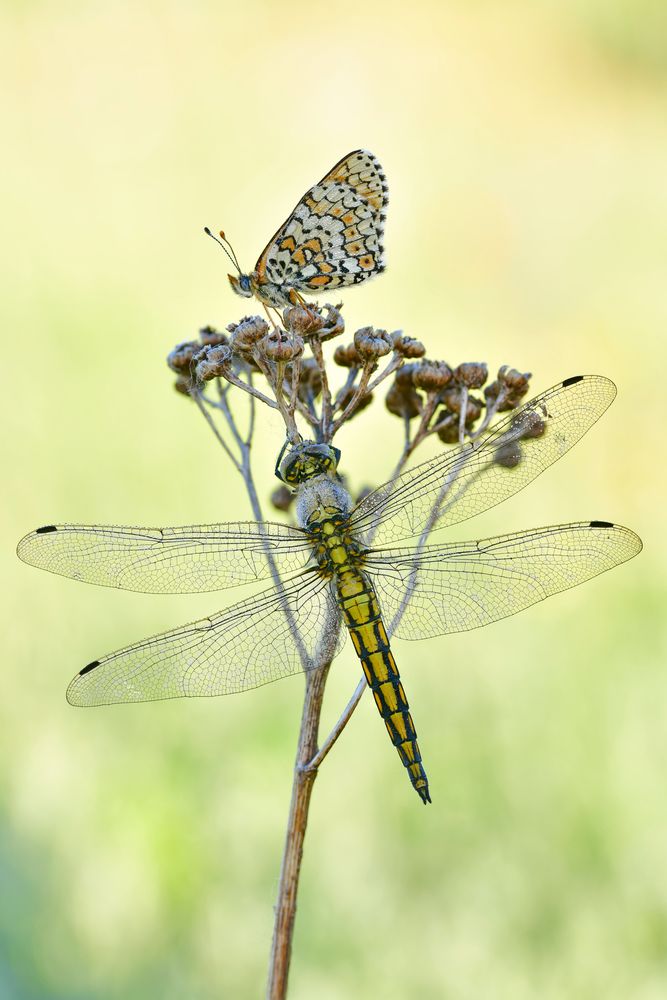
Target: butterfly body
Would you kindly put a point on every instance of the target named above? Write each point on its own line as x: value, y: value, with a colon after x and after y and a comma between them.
x: 332, y: 238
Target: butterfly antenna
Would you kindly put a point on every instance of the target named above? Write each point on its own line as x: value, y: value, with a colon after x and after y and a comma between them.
x: 226, y: 246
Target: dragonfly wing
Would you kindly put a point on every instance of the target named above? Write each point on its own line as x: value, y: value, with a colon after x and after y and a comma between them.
x: 188, y: 560
x: 483, y: 473
x: 249, y: 644
x: 464, y: 585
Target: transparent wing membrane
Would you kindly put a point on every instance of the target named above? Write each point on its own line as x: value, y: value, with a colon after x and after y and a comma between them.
x: 249, y: 644
x: 188, y: 560
x: 464, y: 585
x: 481, y: 474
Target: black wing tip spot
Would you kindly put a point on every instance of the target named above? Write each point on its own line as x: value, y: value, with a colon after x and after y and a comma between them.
x: 47, y: 527
x: 601, y: 524
x: 89, y: 667
x: 573, y: 379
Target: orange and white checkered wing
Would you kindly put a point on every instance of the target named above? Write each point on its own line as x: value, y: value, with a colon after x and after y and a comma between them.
x: 334, y: 235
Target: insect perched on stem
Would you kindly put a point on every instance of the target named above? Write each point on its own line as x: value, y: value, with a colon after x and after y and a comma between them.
x: 332, y: 238
x: 341, y: 566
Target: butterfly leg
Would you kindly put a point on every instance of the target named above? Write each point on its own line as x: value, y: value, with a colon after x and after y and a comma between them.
x: 296, y: 299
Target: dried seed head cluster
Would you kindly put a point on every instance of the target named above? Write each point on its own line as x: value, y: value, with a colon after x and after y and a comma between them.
x: 441, y: 397
x: 285, y: 368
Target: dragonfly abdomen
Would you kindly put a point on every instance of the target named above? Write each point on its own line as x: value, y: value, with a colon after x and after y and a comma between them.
x: 361, y: 613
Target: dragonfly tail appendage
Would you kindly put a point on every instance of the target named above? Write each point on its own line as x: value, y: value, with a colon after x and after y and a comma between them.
x: 369, y: 637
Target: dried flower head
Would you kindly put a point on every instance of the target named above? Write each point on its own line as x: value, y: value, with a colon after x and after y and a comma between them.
x: 347, y: 397
x: 247, y: 332
x: 346, y: 356
x: 432, y: 376
x: 448, y: 425
x: 180, y: 359
x: 403, y: 401
x: 372, y: 344
x: 280, y: 346
x: 407, y: 347
x: 404, y: 375
x: 210, y: 337
x: 312, y: 321
x: 310, y: 379
x: 183, y: 384
x: 212, y: 362
x: 508, y: 390
x: 471, y: 374
x: 282, y: 498
x: 453, y: 401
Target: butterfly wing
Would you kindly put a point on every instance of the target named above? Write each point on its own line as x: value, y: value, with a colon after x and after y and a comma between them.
x: 334, y: 235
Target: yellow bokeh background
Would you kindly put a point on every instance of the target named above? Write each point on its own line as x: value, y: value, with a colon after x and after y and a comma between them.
x: 526, y: 150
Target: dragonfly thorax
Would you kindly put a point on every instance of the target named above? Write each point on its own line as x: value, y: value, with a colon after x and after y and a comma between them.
x: 319, y: 499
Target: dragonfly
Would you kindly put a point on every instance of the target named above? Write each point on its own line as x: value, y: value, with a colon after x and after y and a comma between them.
x: 366, y: 570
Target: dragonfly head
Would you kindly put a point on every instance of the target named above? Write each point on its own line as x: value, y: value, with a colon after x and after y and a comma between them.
x: 306, y: 460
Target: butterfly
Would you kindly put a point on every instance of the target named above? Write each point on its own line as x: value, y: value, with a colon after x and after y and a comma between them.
x: 333, y: 237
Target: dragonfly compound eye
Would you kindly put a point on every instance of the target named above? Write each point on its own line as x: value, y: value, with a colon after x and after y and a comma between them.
x: 309, y: 460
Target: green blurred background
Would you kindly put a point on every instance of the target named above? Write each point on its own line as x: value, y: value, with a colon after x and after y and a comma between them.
x: 526, y: 150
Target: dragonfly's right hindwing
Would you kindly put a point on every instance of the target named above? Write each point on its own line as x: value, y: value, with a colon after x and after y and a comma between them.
x: 254, y: 642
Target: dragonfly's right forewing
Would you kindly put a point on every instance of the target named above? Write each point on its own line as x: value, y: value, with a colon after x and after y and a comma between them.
x: 186, y: 560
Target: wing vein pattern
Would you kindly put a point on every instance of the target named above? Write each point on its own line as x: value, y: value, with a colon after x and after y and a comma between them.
x: 246, y: 645
x: 184, y: 560
x: 465, y: 585
x: 478, y: 475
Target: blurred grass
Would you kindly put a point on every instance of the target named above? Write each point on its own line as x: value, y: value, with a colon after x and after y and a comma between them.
x: 526, y: 149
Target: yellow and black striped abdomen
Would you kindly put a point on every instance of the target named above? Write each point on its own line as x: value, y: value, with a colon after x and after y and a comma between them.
x: 361, y: 614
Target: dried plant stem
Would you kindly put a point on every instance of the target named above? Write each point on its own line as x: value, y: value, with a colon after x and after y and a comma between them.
x: 250, y: 389
x: 197, y: 396
x: 306, y: 764
x: 345, y: 717
x: 359, y: 394
x: 327, y: 408
x: 304, y: 777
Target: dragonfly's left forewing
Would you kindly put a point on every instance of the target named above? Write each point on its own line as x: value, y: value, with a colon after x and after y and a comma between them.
x: 480, y: 474
x: 277, y: 633
x: 464, y: 585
